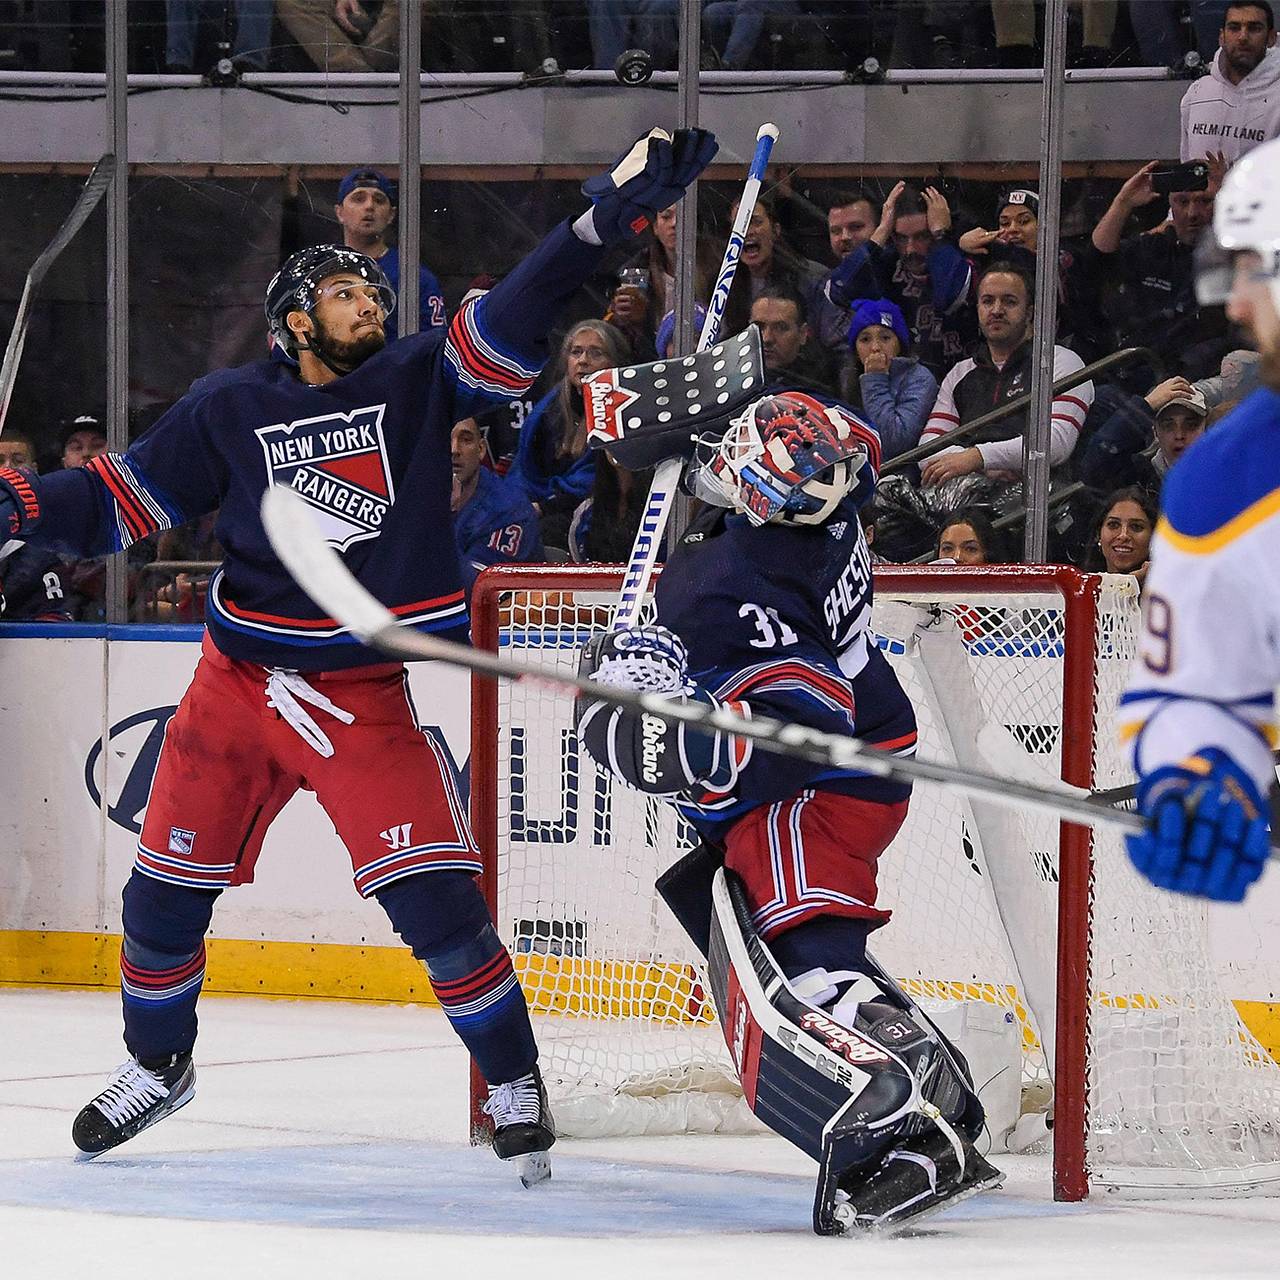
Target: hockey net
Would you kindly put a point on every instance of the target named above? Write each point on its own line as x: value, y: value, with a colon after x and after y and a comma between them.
x: 1005, y: 923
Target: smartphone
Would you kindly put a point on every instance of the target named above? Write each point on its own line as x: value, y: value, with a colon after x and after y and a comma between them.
x: 634, y: 278
x: 1191, y: 176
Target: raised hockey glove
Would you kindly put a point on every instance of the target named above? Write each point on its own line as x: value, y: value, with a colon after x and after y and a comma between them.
x: 652, y: 755
x: 650, y: 177
x: 19, y: 505
x: 1208, y: 835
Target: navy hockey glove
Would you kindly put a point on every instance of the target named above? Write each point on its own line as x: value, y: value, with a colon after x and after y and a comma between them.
x: 19, y: 505
x: 650, y: 177
x: 652, y: 755
x: 1208, y: 834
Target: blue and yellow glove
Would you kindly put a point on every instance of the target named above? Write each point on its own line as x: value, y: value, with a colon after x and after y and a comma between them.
x: 1208, y: 835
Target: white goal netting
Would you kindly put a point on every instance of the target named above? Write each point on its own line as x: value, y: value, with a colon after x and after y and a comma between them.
x: 1178, y: 1091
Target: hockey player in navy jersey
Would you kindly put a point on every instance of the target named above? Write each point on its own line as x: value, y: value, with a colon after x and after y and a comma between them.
x: 493, y: 522
x: 766, y: 610
x: 1199, y: 712
x: 284, y: 698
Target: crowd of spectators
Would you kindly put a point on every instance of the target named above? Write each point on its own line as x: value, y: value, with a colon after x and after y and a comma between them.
x: 540, y: 37
x: 920, y: 317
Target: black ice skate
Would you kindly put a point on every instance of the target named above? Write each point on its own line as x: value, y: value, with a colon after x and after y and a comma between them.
x: 134, y: 1099
x: 917, y: 1177
x: 523, y: 1129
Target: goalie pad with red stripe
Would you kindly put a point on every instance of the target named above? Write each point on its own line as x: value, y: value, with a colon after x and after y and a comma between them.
x: 847, y: 1096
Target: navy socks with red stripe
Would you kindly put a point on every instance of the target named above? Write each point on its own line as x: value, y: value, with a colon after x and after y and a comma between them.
x: 441, y: 915
x: 443, y: 918
x: 162, y: 965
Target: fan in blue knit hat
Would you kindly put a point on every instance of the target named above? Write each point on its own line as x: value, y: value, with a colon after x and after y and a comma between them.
x: 892, y: 388
x: 869, y: 311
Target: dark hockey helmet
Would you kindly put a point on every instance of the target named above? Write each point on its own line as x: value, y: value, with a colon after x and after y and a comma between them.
x: 296, y: 286
x: 787, y: 458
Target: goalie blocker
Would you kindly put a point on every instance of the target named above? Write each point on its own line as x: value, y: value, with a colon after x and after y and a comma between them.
x: 645, y: 413
x: 878, y: 1098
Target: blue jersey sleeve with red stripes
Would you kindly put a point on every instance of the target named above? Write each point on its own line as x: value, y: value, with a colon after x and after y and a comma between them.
x: 498, y: 343
x: 118, y: 499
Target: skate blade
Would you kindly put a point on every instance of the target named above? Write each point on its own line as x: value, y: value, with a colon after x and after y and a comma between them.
x: 535, y: 1168
x: 907, y: 1222
x: 86, y: 1157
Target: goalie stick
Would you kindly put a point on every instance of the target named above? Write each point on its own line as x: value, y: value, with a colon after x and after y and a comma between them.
x: 90, y: 194
x: 666, y: 478
x: 320, y: 572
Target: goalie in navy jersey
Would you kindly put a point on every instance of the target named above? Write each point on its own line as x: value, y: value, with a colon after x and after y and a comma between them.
x: 764, y: 608
x: 286, y: 699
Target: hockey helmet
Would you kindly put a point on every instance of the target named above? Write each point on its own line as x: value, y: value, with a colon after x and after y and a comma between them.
x: 787, y: 458
x: 296, y: 286
x: 1246, y: 218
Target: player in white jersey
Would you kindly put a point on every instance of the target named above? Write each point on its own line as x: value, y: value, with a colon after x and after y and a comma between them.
x: 1199, y: 711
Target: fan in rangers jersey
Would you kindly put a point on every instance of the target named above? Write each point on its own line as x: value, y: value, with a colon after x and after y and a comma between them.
x: 285, y: 699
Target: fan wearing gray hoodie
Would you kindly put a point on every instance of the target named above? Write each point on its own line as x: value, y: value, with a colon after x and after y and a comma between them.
x: 1237, y: 105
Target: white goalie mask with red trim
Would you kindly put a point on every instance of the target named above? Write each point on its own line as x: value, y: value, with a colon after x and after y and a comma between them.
x: 787, y: 458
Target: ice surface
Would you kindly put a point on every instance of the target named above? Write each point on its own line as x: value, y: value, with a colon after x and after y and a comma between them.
x: 329, y: 1139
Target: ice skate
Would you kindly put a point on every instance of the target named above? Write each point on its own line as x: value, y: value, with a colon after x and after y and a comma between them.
x: 918, y: 1177
x: 134, y: 1099
x: 523, y: 1128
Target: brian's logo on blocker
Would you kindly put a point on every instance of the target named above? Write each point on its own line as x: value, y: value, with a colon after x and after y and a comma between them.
x: 338, y: 463
x: 606, y: 403
x: 181, y: 842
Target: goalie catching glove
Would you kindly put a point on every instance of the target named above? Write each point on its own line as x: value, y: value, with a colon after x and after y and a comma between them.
x: 1208, y: 833
x: 650, y: 177
x: 655, y: 757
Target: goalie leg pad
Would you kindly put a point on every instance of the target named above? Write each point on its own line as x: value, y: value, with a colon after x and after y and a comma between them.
x: 686, y: 888
x: 852, y: 1097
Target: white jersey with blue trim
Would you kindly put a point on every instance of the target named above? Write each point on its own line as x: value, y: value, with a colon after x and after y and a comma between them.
x: 1209, y: 654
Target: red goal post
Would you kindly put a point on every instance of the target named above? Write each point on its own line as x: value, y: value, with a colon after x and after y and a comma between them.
x: 1019, y: 665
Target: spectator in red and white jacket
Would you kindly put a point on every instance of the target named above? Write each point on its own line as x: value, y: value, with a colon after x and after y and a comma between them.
x: 999, y: 372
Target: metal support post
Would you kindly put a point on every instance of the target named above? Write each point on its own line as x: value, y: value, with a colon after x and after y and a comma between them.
x: 409, y: 207
x: 686, y: 330
x: 117, y: 53
x: 1035, y: 444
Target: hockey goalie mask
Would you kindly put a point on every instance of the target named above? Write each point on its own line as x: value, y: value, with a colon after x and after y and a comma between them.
x: 787, y: 458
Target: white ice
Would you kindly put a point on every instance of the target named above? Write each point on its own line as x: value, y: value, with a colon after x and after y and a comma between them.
x: 328, y: 1139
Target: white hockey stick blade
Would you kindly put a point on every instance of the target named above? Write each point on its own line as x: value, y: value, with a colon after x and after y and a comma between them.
x: 319, y: 571
x: 316, y: 566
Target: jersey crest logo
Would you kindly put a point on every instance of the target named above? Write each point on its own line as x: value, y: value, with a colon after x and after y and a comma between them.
x: 338, y: 463
x: 181, y: 842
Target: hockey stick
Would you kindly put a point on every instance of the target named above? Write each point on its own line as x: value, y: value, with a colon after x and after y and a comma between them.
x: 90, y: 194
x: 319, y: 571
x: 666, y: 477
